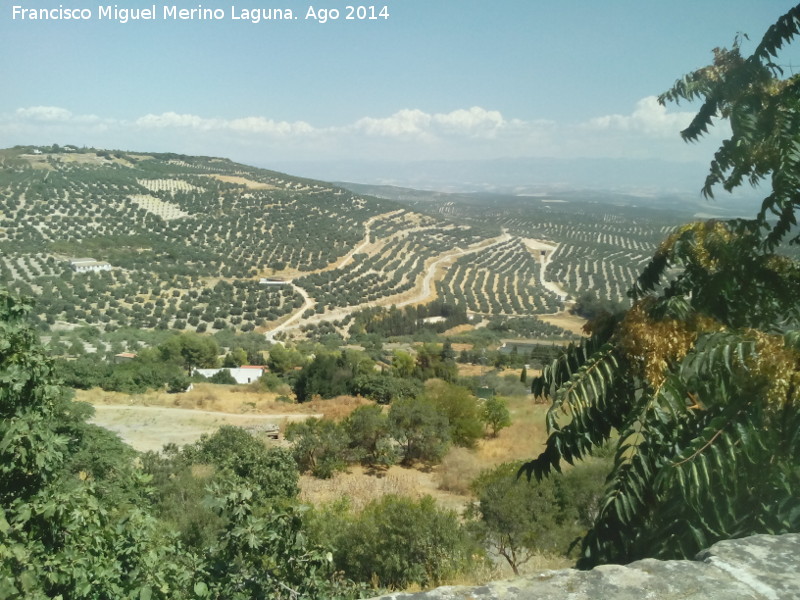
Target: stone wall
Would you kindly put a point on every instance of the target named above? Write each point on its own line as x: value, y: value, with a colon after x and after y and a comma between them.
x: 760, y: 567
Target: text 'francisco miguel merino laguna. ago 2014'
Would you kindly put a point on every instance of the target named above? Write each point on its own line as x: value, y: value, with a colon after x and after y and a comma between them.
x: 174, y: 13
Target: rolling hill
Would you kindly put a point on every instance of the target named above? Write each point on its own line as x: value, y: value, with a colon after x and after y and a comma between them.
x: 200, y: 243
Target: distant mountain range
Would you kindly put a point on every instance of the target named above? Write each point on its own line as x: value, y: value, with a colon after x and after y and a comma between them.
x: 640, y: 181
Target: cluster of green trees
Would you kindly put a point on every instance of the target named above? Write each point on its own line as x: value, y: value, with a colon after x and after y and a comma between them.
x: 517, y: 520
x: 511, y: 520
x: 393, y: 270
x: 503, y: 280
x: 150, y: 300
x: 592, y: 308
x: 396, y: 322
x: 620, y: 239
x: 331, y: 374
x: 528, y: 327
x: 168, y: 364
x: 416, y: 428
x: 309, y: 225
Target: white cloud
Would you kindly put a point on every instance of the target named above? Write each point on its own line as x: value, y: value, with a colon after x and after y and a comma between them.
x: 649, y: 117
x: 648, y: 131
x: 169, y: 120
x: 43, y: 113
x: 261, y: 125
x: 404, y: 123
x: 246, y: 125
x: 474, y: 122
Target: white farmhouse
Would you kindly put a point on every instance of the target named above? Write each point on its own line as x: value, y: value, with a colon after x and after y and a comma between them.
x: 274, y: 281
x: 84, y: 265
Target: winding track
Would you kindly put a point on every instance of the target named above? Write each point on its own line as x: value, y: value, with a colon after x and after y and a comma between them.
x: 422, y: 293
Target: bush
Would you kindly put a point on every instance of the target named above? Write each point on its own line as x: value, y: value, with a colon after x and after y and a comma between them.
x: 495, y: 414
x: 319, y: 446
x: 269, y: 471
x: 367, y: 429
x: 396, y: 542
x: 518, y: 518
x: 384, y: 389
x: 421, y: 430
x: 461, y: 409
x: 222, y: 377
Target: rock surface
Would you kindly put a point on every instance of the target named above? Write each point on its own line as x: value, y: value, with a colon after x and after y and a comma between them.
x: 760, y: 567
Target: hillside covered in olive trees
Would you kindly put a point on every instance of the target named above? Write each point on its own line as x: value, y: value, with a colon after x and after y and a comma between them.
x: 204, y: 244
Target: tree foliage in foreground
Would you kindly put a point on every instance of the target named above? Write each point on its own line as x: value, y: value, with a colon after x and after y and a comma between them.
x: 77, y: 520
x: 698, y: 383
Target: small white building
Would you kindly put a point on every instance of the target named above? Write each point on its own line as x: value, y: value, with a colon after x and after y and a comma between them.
x: 243, y: 375
x: 84, y: 265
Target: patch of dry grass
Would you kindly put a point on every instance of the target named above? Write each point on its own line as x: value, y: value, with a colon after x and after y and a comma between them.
x: 570, y: 322
x: 523, y: 439
x: 236, y: 399
x: 337, y: 408
x: 458, y: 469
x: 361, y: 486
x: 248, y: 183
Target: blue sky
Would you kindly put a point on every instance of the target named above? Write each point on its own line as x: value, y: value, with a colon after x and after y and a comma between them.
x: 438, y: 79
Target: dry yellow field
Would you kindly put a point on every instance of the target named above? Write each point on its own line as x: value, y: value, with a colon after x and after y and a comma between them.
x: 248, y: 183
x: 148, y: 421
x: 568, y: 321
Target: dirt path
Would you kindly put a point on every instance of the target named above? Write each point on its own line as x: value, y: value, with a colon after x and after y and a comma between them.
x: 536, y: 246
x: 308, y: 301
x: 291, y: 322
x: 423, y: 292
x: 362, y: 245
x: 427, y: 292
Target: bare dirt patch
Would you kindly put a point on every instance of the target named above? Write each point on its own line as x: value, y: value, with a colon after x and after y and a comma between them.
x: 469, y: 370
x: 151, y: 427
x: 536, y: 246
x: 151, y: 420
x: 248, y: 183
x: 570, y: 322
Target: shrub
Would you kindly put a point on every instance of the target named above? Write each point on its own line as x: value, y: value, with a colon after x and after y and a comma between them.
x: 367, y: 429
x: 319, y: 446
x: 396, y: 542
x: 421, y: 430
x: 222, y: 377
x: 460, y: 408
